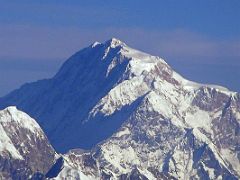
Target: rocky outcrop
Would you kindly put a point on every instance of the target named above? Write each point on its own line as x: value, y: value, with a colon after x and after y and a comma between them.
x: 25, y: 152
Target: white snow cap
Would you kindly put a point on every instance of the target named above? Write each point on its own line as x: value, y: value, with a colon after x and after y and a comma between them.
x: 114, y: 42
x: 95, y: 44
x: 12, y: 114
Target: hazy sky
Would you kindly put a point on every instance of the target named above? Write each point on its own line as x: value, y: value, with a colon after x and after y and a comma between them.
x: 200, y: 39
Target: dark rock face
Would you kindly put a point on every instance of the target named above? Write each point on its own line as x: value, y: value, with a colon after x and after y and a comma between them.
x: 14, y: 169
x: 55, y: 169
x: 134, y: 174
x: 209, y: 99
x: 37, y: 152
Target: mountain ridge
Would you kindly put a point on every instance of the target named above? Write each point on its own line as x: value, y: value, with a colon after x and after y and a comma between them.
x: 90, y: 79
x: 136, y: 115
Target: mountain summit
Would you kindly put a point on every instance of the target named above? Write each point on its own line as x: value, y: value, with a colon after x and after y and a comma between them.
x: 142, y: 118
x: 66, y: 105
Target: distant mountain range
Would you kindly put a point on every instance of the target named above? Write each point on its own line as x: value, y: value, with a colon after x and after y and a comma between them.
x: 118, y: 113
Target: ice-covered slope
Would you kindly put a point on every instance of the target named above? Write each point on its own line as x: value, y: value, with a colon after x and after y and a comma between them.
x: 24, y: 149
x: 147, y: 120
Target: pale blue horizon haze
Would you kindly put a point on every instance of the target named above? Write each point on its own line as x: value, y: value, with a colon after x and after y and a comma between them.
x: 199, y: 39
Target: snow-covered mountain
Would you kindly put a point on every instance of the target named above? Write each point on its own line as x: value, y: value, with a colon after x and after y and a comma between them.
x: 138, y: 116
x: 24, y: 149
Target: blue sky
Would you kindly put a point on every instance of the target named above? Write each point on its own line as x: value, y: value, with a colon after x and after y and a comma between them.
x: 200, y: 39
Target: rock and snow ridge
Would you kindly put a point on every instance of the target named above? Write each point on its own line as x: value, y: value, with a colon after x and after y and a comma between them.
x: 24, y: 149
x: 143, y: 119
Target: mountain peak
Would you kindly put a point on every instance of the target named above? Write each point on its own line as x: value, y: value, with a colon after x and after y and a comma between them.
x: 114, y: 42
x: 11, y: 108
x: 146, y: 118
x: 95, y: 44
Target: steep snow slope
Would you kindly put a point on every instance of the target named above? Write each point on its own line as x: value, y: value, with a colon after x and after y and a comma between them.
x: 154, y: 123
x: 24, y: 149
x: 162, y: 141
